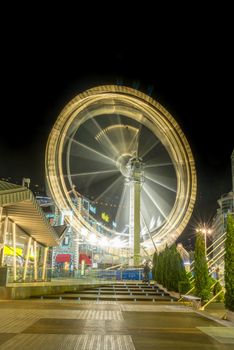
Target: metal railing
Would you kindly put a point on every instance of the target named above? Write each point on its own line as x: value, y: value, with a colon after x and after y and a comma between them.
x: 87, y: 274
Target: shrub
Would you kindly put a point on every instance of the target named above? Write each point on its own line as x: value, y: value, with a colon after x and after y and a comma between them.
x: 217, y: 288
x: 184, y: 286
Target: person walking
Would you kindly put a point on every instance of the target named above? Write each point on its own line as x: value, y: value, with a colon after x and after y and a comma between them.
x: 146, y: 271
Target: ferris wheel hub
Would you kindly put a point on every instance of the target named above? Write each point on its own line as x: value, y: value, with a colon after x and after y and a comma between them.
x: 122, y: 164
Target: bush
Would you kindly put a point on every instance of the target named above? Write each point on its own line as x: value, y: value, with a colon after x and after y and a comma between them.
x: 205, y: 294
x: 183, y: 286
x: 217, y: 288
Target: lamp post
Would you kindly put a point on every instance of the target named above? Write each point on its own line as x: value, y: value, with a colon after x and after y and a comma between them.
x: 205, y: 231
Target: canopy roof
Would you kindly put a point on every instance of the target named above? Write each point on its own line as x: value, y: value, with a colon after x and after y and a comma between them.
x: 21, y: 207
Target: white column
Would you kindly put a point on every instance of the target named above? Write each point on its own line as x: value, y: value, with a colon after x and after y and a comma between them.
x: 44, y: 263
x: 35, y: 260
x: 131, y: 224
x: 1, y: 210
x: 5, y: 227
x: 27, y: 258
x: 137, y: 228
x: 14, y: 250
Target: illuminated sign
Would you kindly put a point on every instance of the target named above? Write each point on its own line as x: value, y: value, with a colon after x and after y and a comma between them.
x: 92, y: 209
x: 105, y: 217
x: 10, y: 251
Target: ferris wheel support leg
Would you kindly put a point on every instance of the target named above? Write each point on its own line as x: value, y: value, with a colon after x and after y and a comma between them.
x: 137, y: 197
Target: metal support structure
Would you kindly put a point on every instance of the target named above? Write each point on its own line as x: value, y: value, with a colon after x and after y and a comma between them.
x: 1, y: 210
x: 44, y: 263
x: 135, y: 178
x: 1, y: 245
x: 137, y: 227
x: 27, y: 258
x: 131, y: 226
x: 3, y: 240
x: 212, y: 299
x: 14, y: 250
x: 35, y: 259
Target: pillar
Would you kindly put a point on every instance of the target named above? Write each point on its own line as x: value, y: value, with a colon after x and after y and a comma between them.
x: 44, y: 263
x: 3, y: 240
x: 27, y: 258
x: 137, y: 227
x: 14, y: 251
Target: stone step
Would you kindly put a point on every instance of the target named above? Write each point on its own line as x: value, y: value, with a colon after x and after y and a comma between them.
x: 107, y: 297
x: 119, y: 293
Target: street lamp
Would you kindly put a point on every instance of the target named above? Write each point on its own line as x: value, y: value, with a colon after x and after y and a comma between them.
x: 205, y: 231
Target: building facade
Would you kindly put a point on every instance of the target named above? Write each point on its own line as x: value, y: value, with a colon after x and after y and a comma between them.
x: 219, y: 225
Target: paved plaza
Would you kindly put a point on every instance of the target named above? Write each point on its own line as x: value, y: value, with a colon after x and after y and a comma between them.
x: 105, y: 325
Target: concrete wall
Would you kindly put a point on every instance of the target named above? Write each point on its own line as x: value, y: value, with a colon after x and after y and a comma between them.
x: 25, y: 292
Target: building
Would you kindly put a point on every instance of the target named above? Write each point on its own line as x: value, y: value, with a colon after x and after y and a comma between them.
x: 219, y: 225
x: 25, y: 235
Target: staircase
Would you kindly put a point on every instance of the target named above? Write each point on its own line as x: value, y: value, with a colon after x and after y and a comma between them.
x: 129, y: 291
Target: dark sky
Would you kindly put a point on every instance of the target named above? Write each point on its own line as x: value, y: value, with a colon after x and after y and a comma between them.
x: 189, y: 68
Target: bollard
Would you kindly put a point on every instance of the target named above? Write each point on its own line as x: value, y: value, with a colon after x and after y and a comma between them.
x: 41, y: 296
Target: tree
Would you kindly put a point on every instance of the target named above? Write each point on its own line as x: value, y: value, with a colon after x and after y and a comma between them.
x: 200, y: 269
x: 159, y: 269
x: 155, y: 261
x: 169, y: 269
x: 229, y: 264
x: 177, y: 274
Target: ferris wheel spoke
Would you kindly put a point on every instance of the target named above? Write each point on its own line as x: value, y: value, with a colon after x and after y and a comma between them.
x: 134, y: 145
x: 94, y: 152
x: 160, y: 183
x: 154, y: 202
x: 150, y: 148
x: 121, y: 202
x: 158, y: 165
x: 109, y: 188
x: 107, y: 144
x: 122, y: 137
x: 147, y: 230
x: 101, y: 172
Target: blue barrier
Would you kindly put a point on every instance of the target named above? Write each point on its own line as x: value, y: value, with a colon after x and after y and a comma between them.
x: 131, y: 274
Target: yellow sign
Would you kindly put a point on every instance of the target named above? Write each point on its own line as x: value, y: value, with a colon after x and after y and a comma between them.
x: 10, y: 251
x: 105, y: 217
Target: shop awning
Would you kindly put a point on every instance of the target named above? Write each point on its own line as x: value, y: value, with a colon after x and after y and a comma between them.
x: 86, y: 258
x: 63, y: 258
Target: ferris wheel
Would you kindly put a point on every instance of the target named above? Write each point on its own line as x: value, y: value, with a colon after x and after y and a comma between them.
x: 115, y: 151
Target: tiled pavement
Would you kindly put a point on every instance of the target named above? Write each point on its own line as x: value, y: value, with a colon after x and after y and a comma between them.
x: 41, y: 324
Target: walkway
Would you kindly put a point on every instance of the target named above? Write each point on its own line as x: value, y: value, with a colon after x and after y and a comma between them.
x: 69, y: 324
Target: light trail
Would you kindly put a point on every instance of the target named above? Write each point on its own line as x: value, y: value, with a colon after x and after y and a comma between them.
x: 160, y: 183
x: 93, y: 150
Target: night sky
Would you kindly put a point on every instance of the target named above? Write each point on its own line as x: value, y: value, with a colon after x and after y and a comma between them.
x: 188, y: 70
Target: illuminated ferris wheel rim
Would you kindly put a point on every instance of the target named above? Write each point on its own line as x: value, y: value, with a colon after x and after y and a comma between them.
x: 112, y: 99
